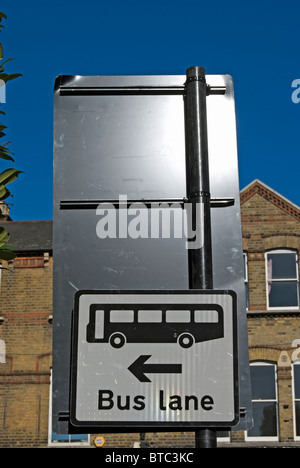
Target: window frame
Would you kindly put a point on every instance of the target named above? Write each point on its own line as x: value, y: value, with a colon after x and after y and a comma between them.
x: 296, y: 438
x: 266, y: 438
x: 296, y: 279
x: 246, y: 279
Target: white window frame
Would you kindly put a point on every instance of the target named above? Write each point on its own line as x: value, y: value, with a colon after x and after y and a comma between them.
x: 225, y: 438
x: 282, y: 251
x: 266, y: 438
x: 70, y: 443
x: 297, y: 363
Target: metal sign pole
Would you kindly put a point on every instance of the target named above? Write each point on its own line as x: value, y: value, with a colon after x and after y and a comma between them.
x: 198, y: 193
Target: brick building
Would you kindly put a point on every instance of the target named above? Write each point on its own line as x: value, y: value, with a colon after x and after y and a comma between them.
x: 271, y: 243
x: 26, y: 335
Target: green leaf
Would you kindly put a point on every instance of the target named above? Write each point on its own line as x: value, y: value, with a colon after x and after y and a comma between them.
x: 6, y: 61
x: 2, y: 230
x: 2, y: 15
x: 2, y: 243
x: 4, y: 193
x: 11, y: 248
x: 8, y: 176
x: 1, y: 52
x: 5, y: 77
x: 4, y: 237
x: 6, y: 156
x: 7, y: 254
x: 4, y: 148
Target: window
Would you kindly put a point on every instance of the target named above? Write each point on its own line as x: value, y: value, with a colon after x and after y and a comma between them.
x: 99, y: 324
x: 67, y: 439
x: 264, y: 402
x: 282, y: 279
x: 296, y: 389
x: 2, y: 352
x: 178, y: 316
x: 121, y: 316
x: 223, y: 436
x: 149, y: 316
x: 206, y: 316
x: 245, y: 257
x: 63, y: 440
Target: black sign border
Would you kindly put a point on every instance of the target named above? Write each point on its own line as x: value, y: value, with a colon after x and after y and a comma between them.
x: 76, y: 426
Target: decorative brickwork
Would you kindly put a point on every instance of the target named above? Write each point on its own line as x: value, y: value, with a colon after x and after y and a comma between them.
x: 28, y: 262
x: 270, y: 195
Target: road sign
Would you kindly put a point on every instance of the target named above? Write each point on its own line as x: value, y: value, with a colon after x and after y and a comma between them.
x: 119, y: 140
x: 154, y: 358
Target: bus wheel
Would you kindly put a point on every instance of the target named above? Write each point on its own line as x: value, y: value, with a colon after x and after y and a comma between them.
x: 117, y: 340
x: 186, y: 340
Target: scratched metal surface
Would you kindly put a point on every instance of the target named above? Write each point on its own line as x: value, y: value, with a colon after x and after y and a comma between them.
x: 116, y: 144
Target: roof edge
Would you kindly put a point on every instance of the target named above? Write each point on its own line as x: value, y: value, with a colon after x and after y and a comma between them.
x: 271, y: 195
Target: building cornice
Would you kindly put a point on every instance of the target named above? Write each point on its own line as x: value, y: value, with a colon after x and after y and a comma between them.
x: 258, y: 187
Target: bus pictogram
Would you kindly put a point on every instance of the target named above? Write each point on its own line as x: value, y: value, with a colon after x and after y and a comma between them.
x: 184, y: 324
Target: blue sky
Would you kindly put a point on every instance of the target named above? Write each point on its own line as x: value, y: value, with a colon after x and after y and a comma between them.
x: 256, y: 42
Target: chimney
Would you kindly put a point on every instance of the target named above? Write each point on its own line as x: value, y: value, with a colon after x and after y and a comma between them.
x: 4, y: 211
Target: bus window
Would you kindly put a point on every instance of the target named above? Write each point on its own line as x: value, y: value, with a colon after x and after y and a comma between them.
x: 206, y: 316
x: 178, y: 316
x: 121, y: 316
x: 149, y: 316
x: 99, y: 324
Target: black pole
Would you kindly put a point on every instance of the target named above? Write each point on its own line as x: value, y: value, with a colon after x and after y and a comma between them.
x: 198, y: 193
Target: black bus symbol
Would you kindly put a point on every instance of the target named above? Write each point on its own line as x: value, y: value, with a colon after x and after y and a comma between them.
x: 168, y: 323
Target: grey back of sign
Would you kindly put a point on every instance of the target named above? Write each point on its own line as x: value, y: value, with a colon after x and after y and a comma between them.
x: 125, y: 136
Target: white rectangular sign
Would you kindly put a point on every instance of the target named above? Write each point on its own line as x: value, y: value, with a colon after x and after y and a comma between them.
x: 154, y: 359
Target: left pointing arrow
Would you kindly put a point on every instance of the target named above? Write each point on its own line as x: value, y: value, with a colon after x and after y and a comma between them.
x: 138, y: 368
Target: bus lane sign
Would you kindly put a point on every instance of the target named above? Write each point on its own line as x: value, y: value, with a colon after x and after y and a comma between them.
x: 154, y: 359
